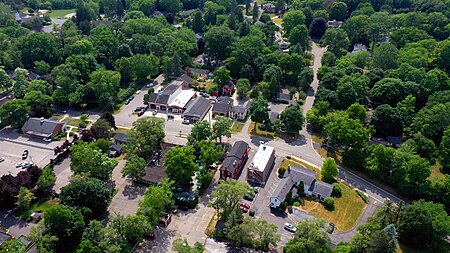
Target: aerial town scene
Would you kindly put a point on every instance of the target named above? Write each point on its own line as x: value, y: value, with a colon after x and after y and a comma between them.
x: 216, y: 126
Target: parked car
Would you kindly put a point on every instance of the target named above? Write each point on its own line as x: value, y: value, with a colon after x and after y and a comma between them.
x: 289, y: 227
x: 141, y: 112
x: 256, y: 189
x: 26, y: 164
x: 137, y: 92
x: 154, y: 112
x: 19, y: 164
x: 25, y: 154
x: 244, y: 206
x: 262, y: 142
x: 183, y: 208
x: 47, y: 139
x: 330, y: 228
x: 249, y: 197
x: 204, y: 94
x: 150, y: 235
x: 127, y: 101
x: 170, y: 116
x: 186, y: 122
x: 131, y: 98
x: 2, y: 159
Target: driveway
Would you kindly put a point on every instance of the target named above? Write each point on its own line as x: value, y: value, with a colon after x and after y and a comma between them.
x: 63, y: 174
x: 16, y: 227
x: 12, y: 146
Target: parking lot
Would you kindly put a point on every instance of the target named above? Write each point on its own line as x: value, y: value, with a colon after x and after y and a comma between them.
x: 12, y: 145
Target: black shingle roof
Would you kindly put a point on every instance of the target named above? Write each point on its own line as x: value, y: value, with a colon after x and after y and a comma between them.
x: 41, y: 127
x: 322, y: 188
x: 158, y: 98
x: 299, y: 174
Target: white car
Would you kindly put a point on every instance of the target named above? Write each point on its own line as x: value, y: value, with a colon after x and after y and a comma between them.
x: 289, y: 227
x: 137, y: 92
x: 262, y: 142
x: 46, y: 139
x: 26, y: 164
x: 19, y: 164
x: 2, y: 159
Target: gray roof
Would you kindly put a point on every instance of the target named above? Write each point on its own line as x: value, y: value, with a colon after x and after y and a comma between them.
x: 198, y: 107
x: 285, y: 96
x: 299, y: 174
x: 185, y: 78
x: 238, y: 109
x: 283, y: 189
x: 222, y: 106
x: 159, y: 98
x: 273, y: 116
x: 170, y: 89
x: 322, y: 188
x: 42, y: 127
x: 234, y: 155
x: 397, y: 140
x: 120, y: 137
x: 198, y: 71
x: 4, y: 237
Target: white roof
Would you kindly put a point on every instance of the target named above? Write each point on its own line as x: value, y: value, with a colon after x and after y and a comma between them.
x: 262, y: 157
x: 182, y: 98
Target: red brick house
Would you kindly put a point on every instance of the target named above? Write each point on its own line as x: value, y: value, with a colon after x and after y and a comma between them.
x: 228, y: 89
x: 235, y: 160
x: 41, y: 127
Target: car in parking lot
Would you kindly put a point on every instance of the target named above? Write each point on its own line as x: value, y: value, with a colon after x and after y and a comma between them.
x: 154, y: 112
x: 150, y: 235
x: 256, y: 189
x: 289, y: 227
x: 2, y: 159
x: 23, y: 164
x: 262, y: 142
x: 131, y: 98
x: 186, y: 122
x: 330, y: 228
x: 47, y: 139
x: 127, y: 101
x: 25, y: 154
x: 141, y: 112
x: 249, y: 197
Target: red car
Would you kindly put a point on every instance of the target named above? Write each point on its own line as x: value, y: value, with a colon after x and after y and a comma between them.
x: 141, y: 112
x: 244, y: 206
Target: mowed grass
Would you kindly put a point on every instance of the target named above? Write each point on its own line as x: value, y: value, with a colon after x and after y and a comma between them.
x: 39, y: 206
x: 60, y: 13
x: 237, y: 127
x: 347, y: 208
x: 259, y: 132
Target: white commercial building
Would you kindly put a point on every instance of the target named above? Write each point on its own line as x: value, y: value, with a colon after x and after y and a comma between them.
x: 259, y: 169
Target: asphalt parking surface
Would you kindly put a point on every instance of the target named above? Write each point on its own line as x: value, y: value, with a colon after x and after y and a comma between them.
x: 12, y: 145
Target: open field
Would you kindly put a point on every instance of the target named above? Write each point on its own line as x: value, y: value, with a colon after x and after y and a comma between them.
x: 237, y: 127
x: 60, y: 13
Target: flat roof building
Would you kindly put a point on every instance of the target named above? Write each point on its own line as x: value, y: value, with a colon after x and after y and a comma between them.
x: 197, y: 109
x: 259, y: 169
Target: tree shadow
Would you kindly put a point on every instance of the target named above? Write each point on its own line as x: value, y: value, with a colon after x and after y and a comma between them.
x: 133, y: 191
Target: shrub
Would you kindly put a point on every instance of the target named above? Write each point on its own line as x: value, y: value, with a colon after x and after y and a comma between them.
x: 337, y: 190
x: 281, y: 171
x: 363, y: 196
x: 328, y: 203
x: 283, y: 206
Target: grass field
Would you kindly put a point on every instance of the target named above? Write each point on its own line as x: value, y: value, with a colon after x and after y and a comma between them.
x: 278, y: 21
x: 262, y: 133
x: 436, y: 172
x: 237, y: 127
x: 39, y: 206
x: 347, y: 209
x: 60, y: 13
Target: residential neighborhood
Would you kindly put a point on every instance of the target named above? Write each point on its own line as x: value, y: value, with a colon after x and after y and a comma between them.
x: 224, y: 126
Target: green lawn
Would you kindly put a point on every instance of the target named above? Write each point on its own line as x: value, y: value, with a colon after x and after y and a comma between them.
x: 72, y: 121
x: 39, y: 206
x: 262, y: 133
x: 237, y: 127
x: 60, y: 13
x: 347, y: 209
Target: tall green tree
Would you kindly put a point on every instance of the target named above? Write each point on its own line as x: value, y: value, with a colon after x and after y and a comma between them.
x: 338, y: 11
x: 385, y: 56
x: 424, y: 225
x: 39, y: 47
x: 222, y: 127
x: 210, y: 152
x: 24, y: 198
x: 309, y: 237
x: 242, y: 87
x: 336, y: 40
x: 105, y: 84
x: 156, y: 198
x: 292, y: 119
x: 88, y: 159
x: 227, y: 196
x: 329, y: 169
x: 14, y: 113
x: 444, y: 150
x: 146, y: 133
x: 200, y: 131
x: 299, y: 35
x: 135, y: 167
x: 258, y: 111
x: 180, y: 165
x: 217, y: 40
x: 293, y: 19
x: 86, y: 192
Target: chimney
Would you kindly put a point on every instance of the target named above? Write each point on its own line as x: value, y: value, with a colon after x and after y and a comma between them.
x: 42, y: 120
x: 234, y: 163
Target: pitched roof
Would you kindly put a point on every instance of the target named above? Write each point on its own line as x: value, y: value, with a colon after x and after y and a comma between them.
x: 273, y: 116
x: 198, y: 71
x: 185, y: 78
x: 159, y: 98
x: 171, y: 88
x: 198, y: 107
x: 299, y: 174
x: 285, y: 96
x: 322, y: 188
x: 4, y: 237
x: 40, y: 127
x: 222, y: 106
x: 120, y: 137
x: 238, y: 149
x: 283, y: 189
